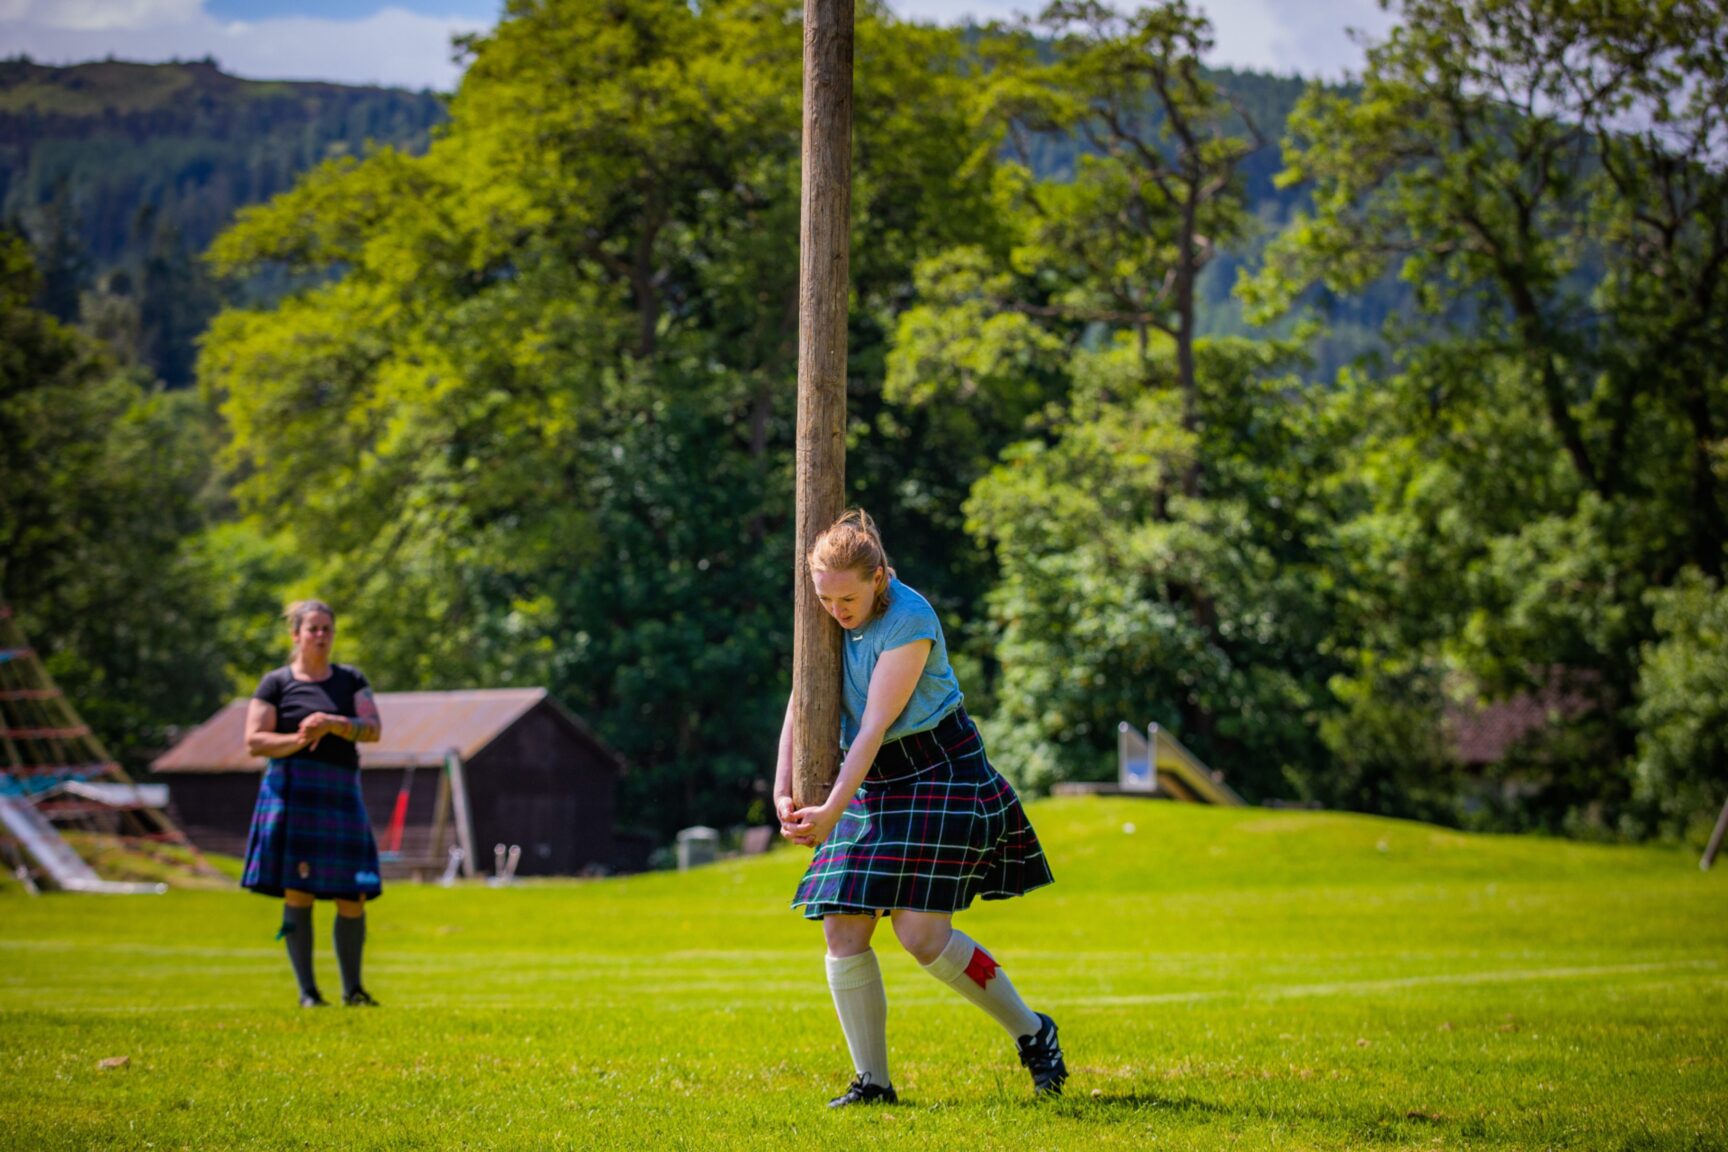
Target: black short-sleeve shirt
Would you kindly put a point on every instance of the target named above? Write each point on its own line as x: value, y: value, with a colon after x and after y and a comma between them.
x: 294, y: 700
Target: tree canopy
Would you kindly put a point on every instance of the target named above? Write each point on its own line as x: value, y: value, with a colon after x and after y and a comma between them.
x: 534, y: 425
x: 523, y: 409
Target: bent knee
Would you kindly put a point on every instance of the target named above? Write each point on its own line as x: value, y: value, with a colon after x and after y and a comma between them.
x: 923, y: 941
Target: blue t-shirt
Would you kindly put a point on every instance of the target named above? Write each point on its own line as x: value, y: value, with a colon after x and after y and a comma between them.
x: 909, y: 617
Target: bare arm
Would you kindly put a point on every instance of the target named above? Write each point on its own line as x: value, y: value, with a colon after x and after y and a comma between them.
x: 262, y: 739
x: 891, y: 686
x: 365, y: 728
x: 783, y: 802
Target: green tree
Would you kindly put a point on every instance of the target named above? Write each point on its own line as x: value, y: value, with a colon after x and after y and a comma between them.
x: 100, y: 489
x: 1158, y: 193
x: 1682, y: 768
x: 1099, y: 567
x: 1547, y: 176
x: 1150, y: 534
x: 63, y: 263
x: 176, y: 300
x: 531, y: 422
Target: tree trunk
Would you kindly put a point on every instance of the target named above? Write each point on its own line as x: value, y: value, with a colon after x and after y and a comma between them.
x: 647, y: 297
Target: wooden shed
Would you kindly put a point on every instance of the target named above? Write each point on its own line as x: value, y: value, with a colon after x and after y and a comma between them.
x: 493, y: 766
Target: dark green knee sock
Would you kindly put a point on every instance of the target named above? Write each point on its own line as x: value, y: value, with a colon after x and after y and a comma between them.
x: 350, y: 941
x: 297, y: 933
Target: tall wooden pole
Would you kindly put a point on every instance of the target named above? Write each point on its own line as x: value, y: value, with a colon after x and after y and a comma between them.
x: 824, y: 282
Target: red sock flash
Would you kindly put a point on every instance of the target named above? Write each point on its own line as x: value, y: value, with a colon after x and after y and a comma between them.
x: 981, y: 967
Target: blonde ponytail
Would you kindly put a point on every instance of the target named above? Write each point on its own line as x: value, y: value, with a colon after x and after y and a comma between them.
x: 853, y: 544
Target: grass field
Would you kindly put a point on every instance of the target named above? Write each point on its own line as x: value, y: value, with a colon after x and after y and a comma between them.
x: 1224, y: 979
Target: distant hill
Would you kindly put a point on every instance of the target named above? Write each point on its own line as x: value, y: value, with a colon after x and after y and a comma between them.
x: 121, y: 173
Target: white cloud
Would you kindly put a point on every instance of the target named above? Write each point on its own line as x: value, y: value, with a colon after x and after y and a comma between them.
x: 1306, y: 36
x: 1319, y: 38
x: 1245, y: 35
x: 103, y: 15
x: 392, y: 47
x: 960, y: 11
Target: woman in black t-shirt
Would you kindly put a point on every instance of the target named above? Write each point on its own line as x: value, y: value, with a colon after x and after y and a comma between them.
x: 311, y: 837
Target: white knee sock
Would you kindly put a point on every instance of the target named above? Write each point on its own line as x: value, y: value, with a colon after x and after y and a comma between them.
x: 971, y: 971
x: 862, y: 1003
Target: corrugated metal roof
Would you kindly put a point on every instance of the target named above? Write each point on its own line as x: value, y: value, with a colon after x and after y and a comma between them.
x: 1487, y: 733
x: 419, y: 729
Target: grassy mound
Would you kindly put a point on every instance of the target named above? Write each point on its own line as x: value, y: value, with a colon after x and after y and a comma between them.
x: 131, y: 859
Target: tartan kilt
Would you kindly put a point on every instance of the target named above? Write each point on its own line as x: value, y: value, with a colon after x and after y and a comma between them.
x: 310, y: 832
x: 932, y: 828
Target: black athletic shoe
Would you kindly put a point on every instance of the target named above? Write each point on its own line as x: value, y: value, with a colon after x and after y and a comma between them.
x: 313, y: 1000
x: 359, y: 998
x: 861, y: 1091
x: 1042, y: 1055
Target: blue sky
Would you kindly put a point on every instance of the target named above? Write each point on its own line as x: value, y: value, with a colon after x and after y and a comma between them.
x: 407, y: 42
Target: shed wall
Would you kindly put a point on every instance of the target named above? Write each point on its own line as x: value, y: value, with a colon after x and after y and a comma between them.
x: 543, y: 787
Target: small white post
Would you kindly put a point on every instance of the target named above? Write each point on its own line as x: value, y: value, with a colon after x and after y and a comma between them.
x: 1152, y: 753
x: 459, y: 800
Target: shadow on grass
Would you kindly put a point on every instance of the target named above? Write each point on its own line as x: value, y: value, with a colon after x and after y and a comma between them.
x: 1366, y: 1126
x: 1108, y: 1108
x: 1136, y: 1100
x: 1119, y: 1107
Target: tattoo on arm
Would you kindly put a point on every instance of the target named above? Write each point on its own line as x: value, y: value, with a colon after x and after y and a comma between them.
x: 366, y: 726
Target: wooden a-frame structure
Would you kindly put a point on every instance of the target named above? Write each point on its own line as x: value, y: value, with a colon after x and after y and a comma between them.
x: 55, y: 773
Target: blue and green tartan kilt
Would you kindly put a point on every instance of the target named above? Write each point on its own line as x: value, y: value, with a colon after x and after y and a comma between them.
x: 310, y: 832
x: 932, y: 828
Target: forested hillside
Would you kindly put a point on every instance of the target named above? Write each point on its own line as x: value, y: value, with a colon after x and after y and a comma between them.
x: 123, y: 173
